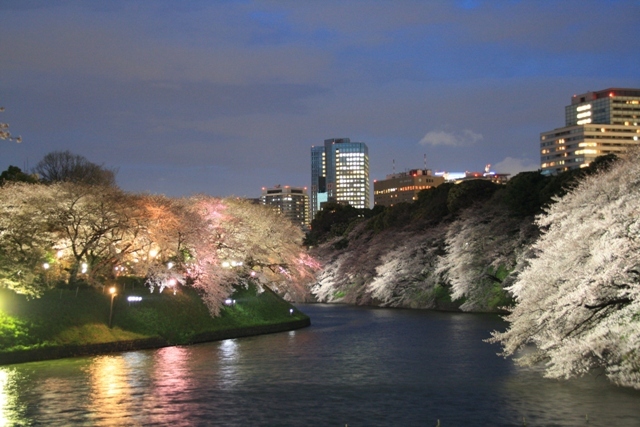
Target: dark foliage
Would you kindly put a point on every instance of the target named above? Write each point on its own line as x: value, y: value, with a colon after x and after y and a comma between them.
x: 333, y: 220
x: 467, y: 193
x: 15, y: 174
x: 63, y: 166
x: 528, y: 193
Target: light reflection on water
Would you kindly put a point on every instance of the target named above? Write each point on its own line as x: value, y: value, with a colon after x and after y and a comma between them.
x: 355, y: 366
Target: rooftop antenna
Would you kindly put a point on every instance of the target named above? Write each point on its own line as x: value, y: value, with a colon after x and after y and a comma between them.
x: 394, y: 166
x: 425, y: 161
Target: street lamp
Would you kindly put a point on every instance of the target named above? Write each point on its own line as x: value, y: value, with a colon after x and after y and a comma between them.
x: 112, y: 291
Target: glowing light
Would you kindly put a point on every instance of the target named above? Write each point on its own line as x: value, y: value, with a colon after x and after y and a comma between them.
x: 226, y: 264
x: 584, y: 107
x: 60, y: 253
x: 169, y: 265
x: 172, y: 282
x: 84, y: 267
x: 46, y: 266
x: 153, y: 253
x: 134, y: 298
x: 112, y: 290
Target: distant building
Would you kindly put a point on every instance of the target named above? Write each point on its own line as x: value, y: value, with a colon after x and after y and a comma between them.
x: 403, y: 187
x: 339, y: 173
x: 318, y: 180
x: 596, y: 124
x: 292, y: 202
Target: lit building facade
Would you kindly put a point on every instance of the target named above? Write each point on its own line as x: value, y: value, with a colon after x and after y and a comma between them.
x: 596, y: 124
x: 340, y: 173
x: 403, y: 187
x: 318, y: 180
x: 292, y: 202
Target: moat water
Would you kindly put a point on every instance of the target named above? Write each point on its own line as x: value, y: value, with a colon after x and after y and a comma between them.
x: 354, y: 366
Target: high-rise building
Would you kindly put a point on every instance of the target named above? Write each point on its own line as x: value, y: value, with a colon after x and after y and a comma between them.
x: 403, y: 187
x: 340, y: 173
x: 318, y: 180
x: 292, y: 202
x: 596, y: 124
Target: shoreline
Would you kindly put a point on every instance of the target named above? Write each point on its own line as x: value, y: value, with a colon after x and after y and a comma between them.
x: 69, y: 351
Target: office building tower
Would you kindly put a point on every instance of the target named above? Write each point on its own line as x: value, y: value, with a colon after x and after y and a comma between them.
x: 340, y: 173
x: 596, y: 124
x: 318, y: 180
x: 403, y: 187
x: 292, y: 202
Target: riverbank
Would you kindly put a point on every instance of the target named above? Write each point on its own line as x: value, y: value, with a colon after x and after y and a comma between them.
x: 75, y: 322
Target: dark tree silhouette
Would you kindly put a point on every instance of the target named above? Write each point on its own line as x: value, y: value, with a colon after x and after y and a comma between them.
x: 64, y: 166
x: 15, y: 174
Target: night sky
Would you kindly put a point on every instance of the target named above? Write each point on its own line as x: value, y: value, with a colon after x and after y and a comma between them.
x: 225, y: 97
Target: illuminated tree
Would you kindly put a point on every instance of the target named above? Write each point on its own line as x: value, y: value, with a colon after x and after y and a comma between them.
x: 94, y: 226
x: 25, y: 239
x: 485, y: 249
x: 236, y: 242
x: 578, y: 300
x: 86, y: 233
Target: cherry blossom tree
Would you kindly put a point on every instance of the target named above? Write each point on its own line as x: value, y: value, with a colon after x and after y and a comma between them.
x: 578, y: 300
x: 94, y: 225
x: 164, y: 235
x: 26, y: 239
x: 394, y: 268
x: 236, y: 242
x: 485, y: 249
x: 71, y: 232
x: 4, y: 131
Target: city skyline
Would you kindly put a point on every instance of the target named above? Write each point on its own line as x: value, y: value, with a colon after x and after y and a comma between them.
x: 225, y: 98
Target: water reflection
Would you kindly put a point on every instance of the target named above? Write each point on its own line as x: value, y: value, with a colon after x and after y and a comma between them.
x: 8, y: 397
x: 170, y: 395
x: 229, y: 365
x: 110, y: 396
x: 354, y: 366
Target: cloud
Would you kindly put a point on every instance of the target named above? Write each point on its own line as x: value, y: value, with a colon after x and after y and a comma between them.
x: 514, y: 166
x: 451, y: 139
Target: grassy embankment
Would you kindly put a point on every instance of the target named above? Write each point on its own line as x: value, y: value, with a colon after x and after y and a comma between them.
x: 65, y: 319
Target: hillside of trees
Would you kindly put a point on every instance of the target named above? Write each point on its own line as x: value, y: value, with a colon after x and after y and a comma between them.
x: 69, y: 225
x: 561, y: 254
x: 459, y: 246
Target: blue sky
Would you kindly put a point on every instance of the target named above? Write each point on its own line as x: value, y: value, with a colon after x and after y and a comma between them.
x: 225, y: 97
